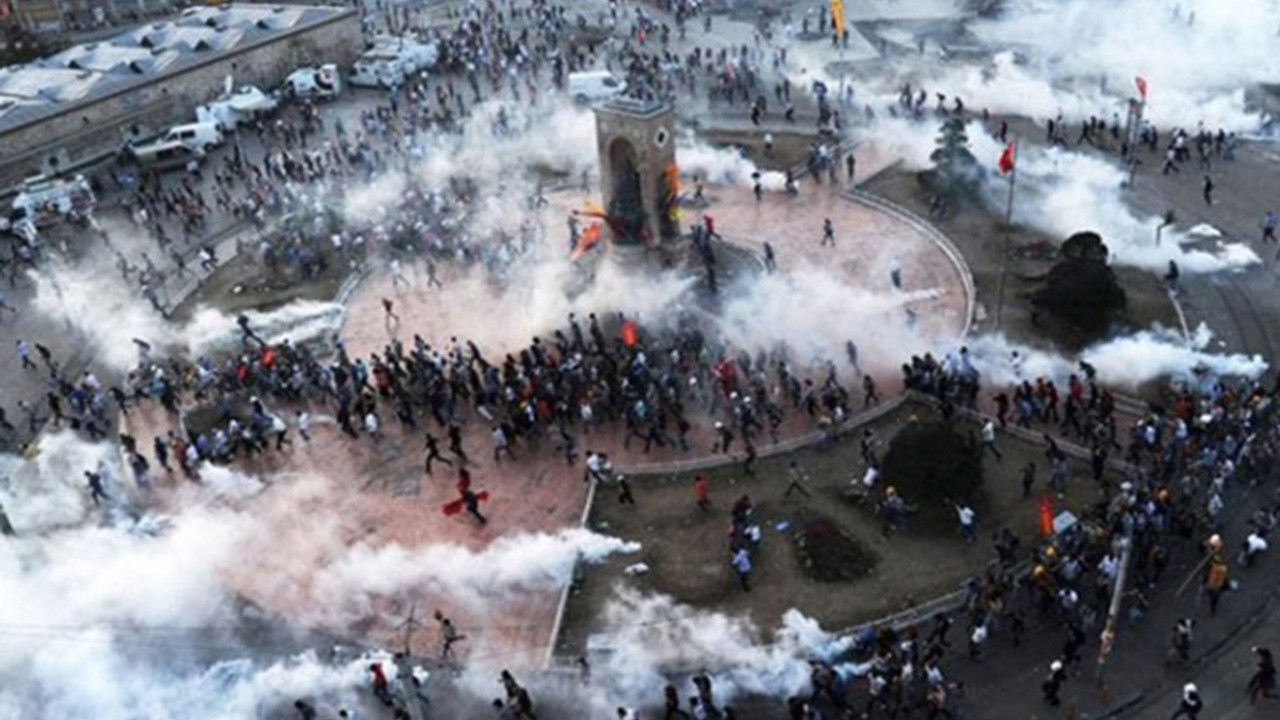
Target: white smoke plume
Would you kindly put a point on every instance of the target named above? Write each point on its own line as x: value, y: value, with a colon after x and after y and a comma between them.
x: 652, y: 637
x: 796, y: 308
x: 1196, y: 56
x: 510, y: 565
x: 717, y: 165
x: 1126, y: 361
x: 128, y: 614
x: 110, y: 316
x: 1062, y: 192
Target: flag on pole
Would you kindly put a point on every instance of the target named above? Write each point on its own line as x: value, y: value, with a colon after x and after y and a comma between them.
x: 672, y: 176
x: 1141, y: 82
x: 837, y: 16
x: 590, y: 238
x: 1006, y: 161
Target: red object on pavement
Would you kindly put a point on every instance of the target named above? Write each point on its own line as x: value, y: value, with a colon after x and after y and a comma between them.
x: 1046, y: 515
x: 454, y: 507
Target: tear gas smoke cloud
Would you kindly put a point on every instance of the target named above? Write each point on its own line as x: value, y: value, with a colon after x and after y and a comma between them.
x: 719, y: 165
x: 110, y: 315
x: 1197, y: 71
x: 119, y: 624
x: 1126, y: 361
x: 371, y: 202
x: 533, y: 300
x: 797, y: 308
x: 1065, y: 192
x: 1196, y: 67
x: 1061, y: 192
x: 509, y: 565
x: 650, y: 636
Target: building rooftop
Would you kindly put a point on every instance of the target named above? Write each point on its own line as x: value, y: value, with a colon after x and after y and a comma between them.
x: 85, y: 73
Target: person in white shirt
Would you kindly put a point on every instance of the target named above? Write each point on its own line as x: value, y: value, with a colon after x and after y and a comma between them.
x: 989, y: 438
x: 870, y: 477
x: 968, y: 522
x: 742, y: 565
x: 303, y: 421
x: 1254, y: 545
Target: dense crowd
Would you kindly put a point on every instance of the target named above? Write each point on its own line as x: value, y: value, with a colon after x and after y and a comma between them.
x: 656, y: 386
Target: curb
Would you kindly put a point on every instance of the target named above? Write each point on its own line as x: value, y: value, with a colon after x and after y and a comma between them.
x: 939, y: 239
x: 562, y: 605
x: 787, y: 445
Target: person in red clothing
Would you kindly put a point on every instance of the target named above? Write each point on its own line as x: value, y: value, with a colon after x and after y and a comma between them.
x: 709, y: 223
x: 381, y: 688
x: 700, y: 492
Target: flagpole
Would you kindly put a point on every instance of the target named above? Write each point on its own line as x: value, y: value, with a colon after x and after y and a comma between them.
x: 1008, y: 233
x: 1013, y: 181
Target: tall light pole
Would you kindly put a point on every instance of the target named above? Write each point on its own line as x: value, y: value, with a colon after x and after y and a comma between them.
x: 1167, y: 220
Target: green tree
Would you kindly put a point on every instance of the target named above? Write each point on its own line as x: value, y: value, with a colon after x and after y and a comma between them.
x: 1081, y: 288
x: 955, y: 169
x: 933, y: 465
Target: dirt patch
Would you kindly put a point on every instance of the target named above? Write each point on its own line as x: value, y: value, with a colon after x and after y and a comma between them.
x: 827, y: 552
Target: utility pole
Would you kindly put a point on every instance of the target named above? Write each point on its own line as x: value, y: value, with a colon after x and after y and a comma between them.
x: 1167, y: 220
x: 404, y: 668
x: 1012, y: 148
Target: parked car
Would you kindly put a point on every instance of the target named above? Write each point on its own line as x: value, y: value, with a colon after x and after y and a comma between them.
x: 163, y: 156
x: 595, y: 86
x: 204, y: 136
x: 321, y: 82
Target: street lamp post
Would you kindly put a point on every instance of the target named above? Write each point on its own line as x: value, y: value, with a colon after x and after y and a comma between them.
x: 1167, y: 220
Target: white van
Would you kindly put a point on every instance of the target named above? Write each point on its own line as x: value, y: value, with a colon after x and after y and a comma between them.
x: 595, y: 86
x: 162, y: 156
x: 415, y: 55
x: 321, y: 82
x: 203, y: 136
x: 378, y: 68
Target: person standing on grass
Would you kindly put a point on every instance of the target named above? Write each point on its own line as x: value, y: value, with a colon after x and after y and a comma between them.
x: 989, y: 439
x: 701, y: 493
x: 741, y: 562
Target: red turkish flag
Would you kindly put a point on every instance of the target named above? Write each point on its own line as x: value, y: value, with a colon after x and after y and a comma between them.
x: 1005, y: 163
x: 1141, y: 82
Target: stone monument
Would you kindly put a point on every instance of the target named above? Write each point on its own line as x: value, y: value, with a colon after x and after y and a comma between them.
x: 638, y: 177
